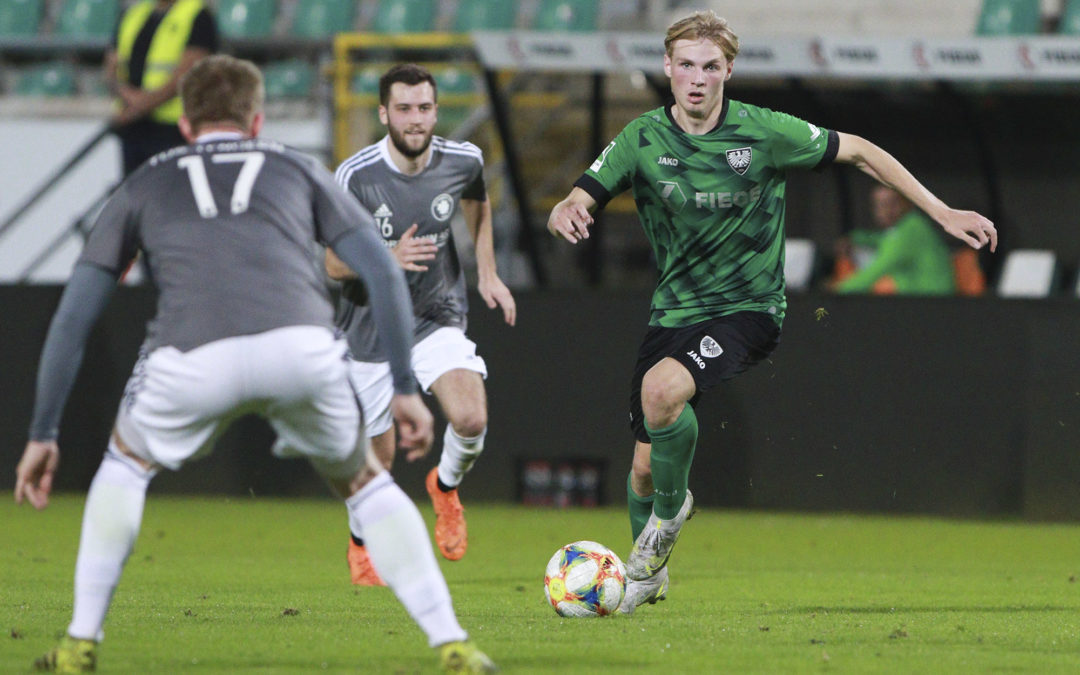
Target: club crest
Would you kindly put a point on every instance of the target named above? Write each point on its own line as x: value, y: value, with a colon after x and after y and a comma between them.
x: 710, y: 347
x: 739, y: 159
x: 442, y: 207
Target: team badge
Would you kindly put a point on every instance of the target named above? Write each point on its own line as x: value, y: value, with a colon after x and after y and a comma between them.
x: 710, y: 347
x: 739, y: 159
x: 442, y: 207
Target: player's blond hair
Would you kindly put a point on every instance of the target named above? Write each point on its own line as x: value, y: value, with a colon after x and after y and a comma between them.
x: 704, y: 25
x: 222, y: 89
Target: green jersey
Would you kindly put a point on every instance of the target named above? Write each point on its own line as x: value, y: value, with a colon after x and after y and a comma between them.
x: 712, y: 205
x: 913, y: 254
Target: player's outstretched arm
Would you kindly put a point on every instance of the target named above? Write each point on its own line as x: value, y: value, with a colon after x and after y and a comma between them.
x: 415, y: 425
x: 571, y: 218
x: 84, y: 298
x: 970, y: 227
x: 492, y: 289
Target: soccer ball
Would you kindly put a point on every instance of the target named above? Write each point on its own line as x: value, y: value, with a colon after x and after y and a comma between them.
x: 584, y: 579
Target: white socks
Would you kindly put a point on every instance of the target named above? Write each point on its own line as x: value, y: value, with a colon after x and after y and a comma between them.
x: 458, y: 455
x: 111, y: 520
x: 398, y: 543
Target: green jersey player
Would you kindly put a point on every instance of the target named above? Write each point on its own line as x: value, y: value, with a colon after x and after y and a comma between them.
x: 708, y: 177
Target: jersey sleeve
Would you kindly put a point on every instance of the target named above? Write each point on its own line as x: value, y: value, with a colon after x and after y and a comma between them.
x: 797, y: 144
x: 612, y: 171
x: 475, y: 188
x: 336, y: 211
x: 114, y: 239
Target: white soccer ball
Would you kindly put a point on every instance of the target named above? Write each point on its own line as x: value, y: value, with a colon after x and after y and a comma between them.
x: 584, y: 579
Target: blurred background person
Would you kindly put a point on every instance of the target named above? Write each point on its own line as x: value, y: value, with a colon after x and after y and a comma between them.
x: 903, y: 255
x: 155, y: 43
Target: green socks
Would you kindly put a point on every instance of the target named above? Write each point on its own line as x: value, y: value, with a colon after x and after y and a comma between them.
x: 640, y: 509
x: 672, y: 454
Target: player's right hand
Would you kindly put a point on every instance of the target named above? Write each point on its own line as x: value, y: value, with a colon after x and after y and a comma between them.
x: 409, y: 250
x: 34, y: 474
x: 415, y: 425
x: 570, y: 220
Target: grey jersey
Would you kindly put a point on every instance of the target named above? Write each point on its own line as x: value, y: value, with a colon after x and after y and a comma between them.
x: 228, y: 230
x: 397, y: 200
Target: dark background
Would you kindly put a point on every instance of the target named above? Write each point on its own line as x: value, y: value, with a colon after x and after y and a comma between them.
x: 952, y: 406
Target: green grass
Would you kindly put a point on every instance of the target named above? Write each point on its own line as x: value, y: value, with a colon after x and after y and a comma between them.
x: 209, y: 583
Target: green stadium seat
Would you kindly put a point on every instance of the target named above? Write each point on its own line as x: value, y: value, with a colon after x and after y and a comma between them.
x: 404, y: 16
x: 322, y: 18
x: 55, y: 78
x: 567, y: 15
x: 1009, y: 17
x: 87, y: 18
x: 366, y: 81
x: 20, y: 17
x: 455, y: 81
x: 1070, y: 18
x: 246, y: 18
x: 291, y: 78
x: 485, y: 15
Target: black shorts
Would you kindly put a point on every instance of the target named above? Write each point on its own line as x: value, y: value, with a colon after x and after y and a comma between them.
x: 713, y: 351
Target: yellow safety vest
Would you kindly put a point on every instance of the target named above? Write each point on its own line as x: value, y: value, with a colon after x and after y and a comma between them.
x: 166, y: 47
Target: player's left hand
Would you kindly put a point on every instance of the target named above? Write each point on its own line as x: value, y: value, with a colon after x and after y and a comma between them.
x: 415, y: 425
x: 34, y: 474
x: 495, y: 293
x: 970, y: 228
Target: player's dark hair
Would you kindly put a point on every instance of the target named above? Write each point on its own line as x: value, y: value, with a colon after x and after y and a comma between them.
x: 222, y: 89
x: 405, y: 73
x: 705, y: 25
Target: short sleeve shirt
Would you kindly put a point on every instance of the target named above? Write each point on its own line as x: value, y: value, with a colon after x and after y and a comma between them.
x: 712, y: 205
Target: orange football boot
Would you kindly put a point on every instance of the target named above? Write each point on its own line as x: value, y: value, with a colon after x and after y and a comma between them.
x: 360, y: 568
x: 450, y: 534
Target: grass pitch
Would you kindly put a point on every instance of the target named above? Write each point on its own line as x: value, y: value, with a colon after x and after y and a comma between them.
x: 220, y: 585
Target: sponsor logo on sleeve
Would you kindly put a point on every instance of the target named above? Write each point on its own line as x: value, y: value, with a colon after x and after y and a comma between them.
x: 603, y: 156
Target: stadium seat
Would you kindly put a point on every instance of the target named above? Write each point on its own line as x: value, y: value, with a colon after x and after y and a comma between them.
x: 87, y: 18
x: 485, y: 15
x: 322, y: 18
x: 246, y: 18
x: 20, y: 17
x: 292, y: 78
x: 366, y: 81
x: 1070, y: 18
x: 453, y: 80
x: 799, y: 261
x: 55, y: 78
x: 566, y: 15
x: 1028, y: 273
x: 404, y: 16
x: 1009, y: 17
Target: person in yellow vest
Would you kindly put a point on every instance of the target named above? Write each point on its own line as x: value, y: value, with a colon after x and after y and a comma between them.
x: 156, y: 41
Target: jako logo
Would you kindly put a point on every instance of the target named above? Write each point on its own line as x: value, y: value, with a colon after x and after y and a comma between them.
x: 667, y: 161
x: 697, y: 359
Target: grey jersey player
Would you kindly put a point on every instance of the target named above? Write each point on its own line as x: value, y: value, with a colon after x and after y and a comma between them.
x: 228, y: 226
x: 412, y: 182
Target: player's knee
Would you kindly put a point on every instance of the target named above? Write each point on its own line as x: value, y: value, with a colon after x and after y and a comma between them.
x: 470, y: 424
x: 659, y: 403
